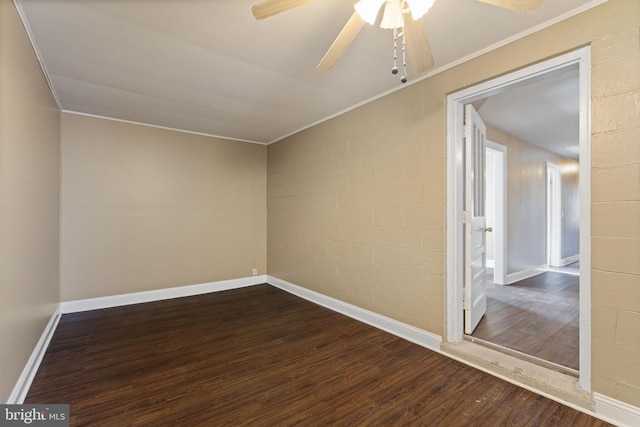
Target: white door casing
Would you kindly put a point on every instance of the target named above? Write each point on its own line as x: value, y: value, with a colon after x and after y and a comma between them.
x: 580, y: 59
x: 475, y: 297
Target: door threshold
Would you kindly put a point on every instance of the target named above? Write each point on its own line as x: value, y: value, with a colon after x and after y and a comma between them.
x: 564, y: 270
x: 524, y: 356
x: 559, y: 386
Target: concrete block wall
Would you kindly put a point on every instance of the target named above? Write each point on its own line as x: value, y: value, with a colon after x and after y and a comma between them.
x: 360, y: 209
x: 615, y: 208
x: 356, y: 205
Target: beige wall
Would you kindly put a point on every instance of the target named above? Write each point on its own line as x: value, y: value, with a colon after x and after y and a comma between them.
x: 356, y: 208
x: 356, y: 204
x: 527, y: 202
x: 146, y: 208
x: 615, y: 196
x: 29, y: 199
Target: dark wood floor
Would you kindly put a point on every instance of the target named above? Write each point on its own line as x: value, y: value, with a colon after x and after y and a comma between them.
x: 261, y: 357
x: 538, y: 316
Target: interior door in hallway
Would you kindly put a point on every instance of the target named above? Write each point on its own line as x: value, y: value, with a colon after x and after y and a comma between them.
x: 475, y: 296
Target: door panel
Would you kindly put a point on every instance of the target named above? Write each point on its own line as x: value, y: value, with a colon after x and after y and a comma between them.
x: 475, y: 297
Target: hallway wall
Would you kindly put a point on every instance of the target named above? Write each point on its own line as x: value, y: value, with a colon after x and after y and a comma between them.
x: 527, y: 202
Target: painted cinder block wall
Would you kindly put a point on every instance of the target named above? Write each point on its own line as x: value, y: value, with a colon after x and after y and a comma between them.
x: 356, y: 205
x: 29, y: 195
x: 144, y: 208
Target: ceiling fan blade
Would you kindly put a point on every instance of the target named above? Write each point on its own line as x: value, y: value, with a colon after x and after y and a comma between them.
x: 273, y: 7
x: 342, y: 42
x: 418, y: 47
x: 523, y: 6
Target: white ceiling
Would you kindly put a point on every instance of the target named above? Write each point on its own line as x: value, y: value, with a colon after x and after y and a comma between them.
x: 543, y: 112
x: 207, y: 66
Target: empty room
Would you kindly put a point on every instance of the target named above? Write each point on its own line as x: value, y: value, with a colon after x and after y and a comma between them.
x: 283, y: 212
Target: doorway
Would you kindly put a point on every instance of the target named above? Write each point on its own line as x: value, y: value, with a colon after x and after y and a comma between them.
x: 496, y: 178
x: 457, y: 211
x: 534, y: 318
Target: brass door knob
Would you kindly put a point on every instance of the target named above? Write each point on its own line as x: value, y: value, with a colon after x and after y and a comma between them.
x: 488, y: 229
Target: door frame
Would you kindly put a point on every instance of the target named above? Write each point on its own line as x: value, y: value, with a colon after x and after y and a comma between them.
x: 454, y: 322
x: 553, y: 214
x: 500, y: 213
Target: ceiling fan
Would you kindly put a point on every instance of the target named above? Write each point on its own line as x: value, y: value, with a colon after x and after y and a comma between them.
x: 395, y: 16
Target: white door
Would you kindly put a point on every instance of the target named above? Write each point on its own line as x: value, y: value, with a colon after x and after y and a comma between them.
x: 475, y: 297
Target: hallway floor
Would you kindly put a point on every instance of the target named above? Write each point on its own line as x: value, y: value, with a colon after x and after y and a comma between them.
x: 538, y: 316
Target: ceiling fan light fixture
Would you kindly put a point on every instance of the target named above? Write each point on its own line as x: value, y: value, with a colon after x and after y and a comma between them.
x: 412, y: 32
x: 419, y: 7
x: 392, y: 17
x: 368, y: 9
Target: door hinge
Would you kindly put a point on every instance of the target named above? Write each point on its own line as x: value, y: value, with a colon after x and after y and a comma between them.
x: 465, y: 303
x: 466, y: 218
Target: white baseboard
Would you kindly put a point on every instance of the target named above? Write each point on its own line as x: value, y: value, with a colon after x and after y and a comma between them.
x: 616, y: 412
x: 524, y: 274
x: 158, y: 294
x: 21, y: 388
x: 402, y: 330
x: 569, y: 260
x: 23, y: 384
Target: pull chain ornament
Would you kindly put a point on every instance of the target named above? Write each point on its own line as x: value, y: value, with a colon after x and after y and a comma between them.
x: 394, y: 70
x: 403, y: 79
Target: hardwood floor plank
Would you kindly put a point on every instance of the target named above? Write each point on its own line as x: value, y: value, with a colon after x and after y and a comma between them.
x: 259, y: 356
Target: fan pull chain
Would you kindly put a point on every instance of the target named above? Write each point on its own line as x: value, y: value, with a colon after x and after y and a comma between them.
x: 394, y: 70
x: 403, y: 79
